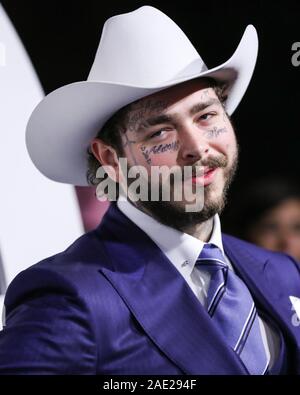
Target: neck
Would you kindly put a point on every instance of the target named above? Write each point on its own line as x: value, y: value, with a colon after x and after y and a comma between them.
x: 201, y: 231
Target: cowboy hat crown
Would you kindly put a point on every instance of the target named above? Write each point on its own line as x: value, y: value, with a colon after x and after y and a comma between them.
x: 142, y: 48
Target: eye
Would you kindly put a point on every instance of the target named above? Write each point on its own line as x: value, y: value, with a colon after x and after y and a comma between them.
x: 206, y: 116
x: 160, y: 133
x: 156, y: 134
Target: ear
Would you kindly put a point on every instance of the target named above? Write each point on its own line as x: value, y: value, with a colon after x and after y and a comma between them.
x: 107, y: 157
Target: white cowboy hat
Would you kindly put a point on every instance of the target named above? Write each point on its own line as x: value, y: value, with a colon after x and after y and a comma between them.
x: 140, y: 53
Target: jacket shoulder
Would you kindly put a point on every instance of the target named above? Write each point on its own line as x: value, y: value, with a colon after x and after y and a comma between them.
x: 277, y: 266
x: 255, y: 250
x: 74, y: 272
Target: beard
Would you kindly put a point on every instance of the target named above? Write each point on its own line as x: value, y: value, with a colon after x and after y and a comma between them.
x: 172, y: 214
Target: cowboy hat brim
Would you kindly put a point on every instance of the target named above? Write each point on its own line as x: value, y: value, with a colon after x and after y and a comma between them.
x: 63, y: 124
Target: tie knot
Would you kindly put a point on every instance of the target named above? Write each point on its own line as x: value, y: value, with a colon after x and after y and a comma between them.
x: 211, y: 254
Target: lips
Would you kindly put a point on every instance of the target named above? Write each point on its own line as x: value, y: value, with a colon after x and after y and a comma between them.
x: 203, y: 172
x: 208, y: 170
x: 206, y: 177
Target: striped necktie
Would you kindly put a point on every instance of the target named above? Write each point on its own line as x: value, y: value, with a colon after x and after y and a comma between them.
x: 232, y: 309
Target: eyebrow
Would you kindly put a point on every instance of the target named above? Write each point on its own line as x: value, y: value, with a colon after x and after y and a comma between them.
x: 202, y: 106
x: 158, y: 119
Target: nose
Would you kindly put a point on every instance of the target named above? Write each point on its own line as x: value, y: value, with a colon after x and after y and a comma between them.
x: 193, y: 144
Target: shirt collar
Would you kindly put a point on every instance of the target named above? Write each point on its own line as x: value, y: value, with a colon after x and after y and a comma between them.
x: 180, y: 248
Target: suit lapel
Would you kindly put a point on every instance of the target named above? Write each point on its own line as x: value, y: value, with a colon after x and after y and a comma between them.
x: 161, y: 301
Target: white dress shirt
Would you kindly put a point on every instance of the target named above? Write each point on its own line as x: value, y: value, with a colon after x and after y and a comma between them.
x: 182, y: 250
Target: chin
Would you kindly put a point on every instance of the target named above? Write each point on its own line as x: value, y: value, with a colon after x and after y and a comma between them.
x: 213, y: 191
x: 215, y: 197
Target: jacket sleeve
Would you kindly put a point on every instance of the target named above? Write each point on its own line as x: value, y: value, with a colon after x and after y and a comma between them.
x: 47, y: 328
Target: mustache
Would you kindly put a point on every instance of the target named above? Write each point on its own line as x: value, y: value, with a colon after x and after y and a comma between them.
x: 210, y: 163
x: 198, y: 169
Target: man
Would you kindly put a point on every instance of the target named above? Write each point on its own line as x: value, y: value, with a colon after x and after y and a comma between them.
x: 156, y: 288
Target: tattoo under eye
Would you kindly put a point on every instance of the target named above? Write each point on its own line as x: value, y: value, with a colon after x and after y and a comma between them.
x: 215, y: 132
x: 158, y: 149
